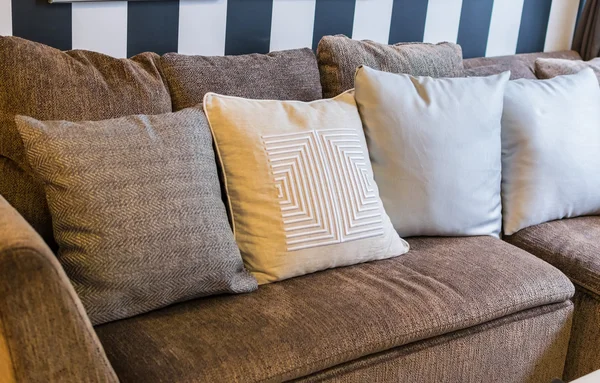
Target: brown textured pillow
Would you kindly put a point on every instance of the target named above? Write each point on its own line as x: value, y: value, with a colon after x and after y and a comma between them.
x: 339, y: 56
x: 549, y: 68
x: 137, y: 210
x: 284, y: 75
x: 48, y: 84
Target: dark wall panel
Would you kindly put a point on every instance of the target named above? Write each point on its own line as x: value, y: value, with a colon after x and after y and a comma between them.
x: 248, y: 26
x: 333, y: 17
x: 534, y: 25
x: 152, y: 26
x: 40, y: 21
x: 474, y: 28
x: 408, y: 21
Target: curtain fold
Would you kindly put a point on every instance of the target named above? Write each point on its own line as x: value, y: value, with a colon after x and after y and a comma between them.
x: 587, y: 35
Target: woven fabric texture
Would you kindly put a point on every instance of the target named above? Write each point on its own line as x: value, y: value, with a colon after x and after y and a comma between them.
x: 517, y: 70
x: 521, y: 65
x: 549, y: 68
x: 339, y: 57
x: 47, y: 84
x: 529, y: 346
x: 137, y: 210
x: 45, y: 334
x: 583, y: 357
x: 284, y: 75
x: 569, y: 244
x: 303, y: 325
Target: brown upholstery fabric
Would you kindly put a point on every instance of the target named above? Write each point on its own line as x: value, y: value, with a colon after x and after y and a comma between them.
x: 549, y: 68
x: 527, y: 347
x: 300, y: 326
x: 339, y: 57
x: 521, y: 65
x: 284, y: 75
x: 48, y: 84
x: 571, y: 245
x: 137, y: 210
x: 583, y: 356
x: 518, y: 69
x: 43, y: 326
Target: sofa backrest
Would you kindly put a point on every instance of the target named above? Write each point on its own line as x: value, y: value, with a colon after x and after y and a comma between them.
x: 521, y: 65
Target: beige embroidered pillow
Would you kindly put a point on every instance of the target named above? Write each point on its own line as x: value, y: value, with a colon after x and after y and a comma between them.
x: 300, y: 185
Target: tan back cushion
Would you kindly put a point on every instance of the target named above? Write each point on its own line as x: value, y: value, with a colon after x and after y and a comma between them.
x: 49, y: 84
x: 550, y: 68
x: 339, y: 56
x: 284, y: 75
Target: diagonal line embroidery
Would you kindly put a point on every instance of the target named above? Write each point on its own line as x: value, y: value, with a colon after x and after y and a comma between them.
x: 325, y: 190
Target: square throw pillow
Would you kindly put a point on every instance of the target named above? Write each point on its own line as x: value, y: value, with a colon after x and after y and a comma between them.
x: 339, y: 56
x: 137, y: 210
x: 550, y: 150
x: 299, y: 185
x: 284, y: 75
x: 435, y: 150
x: 549, y: 68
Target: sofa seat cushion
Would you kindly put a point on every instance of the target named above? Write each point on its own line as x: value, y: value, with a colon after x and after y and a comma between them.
x: 521, y: 65
x: 302, y: 325
x: 572, y: 245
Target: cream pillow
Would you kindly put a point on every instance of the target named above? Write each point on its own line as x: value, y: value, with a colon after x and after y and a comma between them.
x: 550, y: 150
x: 435, y: 149
x: 299, y: 185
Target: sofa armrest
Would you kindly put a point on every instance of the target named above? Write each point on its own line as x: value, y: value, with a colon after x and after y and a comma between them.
x: 45, y: 335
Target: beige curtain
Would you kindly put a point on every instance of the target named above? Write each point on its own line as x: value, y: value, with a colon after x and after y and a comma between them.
x: 587, y: 35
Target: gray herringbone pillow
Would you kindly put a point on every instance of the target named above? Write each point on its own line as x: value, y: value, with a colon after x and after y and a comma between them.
x: 137, y: 210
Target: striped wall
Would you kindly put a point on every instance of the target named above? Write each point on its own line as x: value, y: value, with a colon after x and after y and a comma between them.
x: 216, y: 27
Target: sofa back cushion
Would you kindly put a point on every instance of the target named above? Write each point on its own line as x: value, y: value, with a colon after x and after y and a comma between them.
x: 48, y: 84
x: 137, y: 210
x: 521, y: 65
x: 284, y: 75
x: 340, y: 56
x: 550, y: 68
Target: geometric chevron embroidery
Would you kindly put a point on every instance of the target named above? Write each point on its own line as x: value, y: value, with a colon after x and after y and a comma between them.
x: 326, y: 192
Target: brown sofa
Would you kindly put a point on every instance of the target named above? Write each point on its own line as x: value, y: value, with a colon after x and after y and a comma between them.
x: 451, y: 310
x: 572, y: 245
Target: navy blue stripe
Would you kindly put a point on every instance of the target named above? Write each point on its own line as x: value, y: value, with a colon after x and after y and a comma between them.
x: 534, y: 25
x: 152, y: 27
x: 474, y: 28
x: 45, y: 23
x: 248, y: 27
x: 333, y: 17
x: 579, y: 11
x: 408, y: 21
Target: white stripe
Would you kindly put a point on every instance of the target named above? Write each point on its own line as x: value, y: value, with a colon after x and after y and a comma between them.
x: 504, y: 28
x: 292, y: 24
x: 202, y: 27
x: 101, y: 27
x: 561, y: 25
x: 5, y: 18
x: 372, y: 20
x: 443, y: 20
